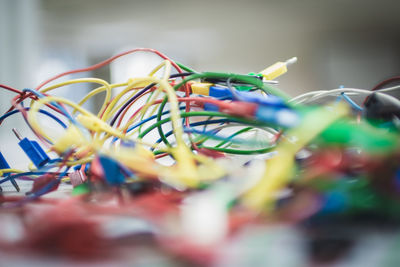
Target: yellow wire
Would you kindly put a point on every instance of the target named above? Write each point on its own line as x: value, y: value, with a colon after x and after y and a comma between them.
x: 96, y: 91
x: 131, y: 86
x: 3, y: 171
x: 132, y: 83
x: 279, y: 168
x: 35, y: 108
x: 139, y: 81
x: 185, y: 171
x: 113, y: 110
x: 106, y: 85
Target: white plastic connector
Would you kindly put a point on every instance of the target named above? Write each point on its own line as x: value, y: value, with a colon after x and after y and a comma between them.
x: 77, y: 177
x: 291, y: 61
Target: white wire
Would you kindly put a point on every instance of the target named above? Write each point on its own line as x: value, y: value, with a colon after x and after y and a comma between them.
x: 389, y: 89
x: 315, y: 95
x: 352, y: 90
x: 308, y: 94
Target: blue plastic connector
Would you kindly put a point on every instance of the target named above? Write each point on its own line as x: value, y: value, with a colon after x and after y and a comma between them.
x: 112, y: 171
x: 280, y: 116
x: 223, y: 92
x: 33, y: 150
x: 269, y: 100
x: 218, y: 92
x: 3, y: 162
x: 4, y: 165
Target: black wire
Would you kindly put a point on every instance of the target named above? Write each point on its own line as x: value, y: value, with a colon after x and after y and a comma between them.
x: 142, y: 92
x: 181, y: 74
x: 130, y: 101
x: 222, y: 80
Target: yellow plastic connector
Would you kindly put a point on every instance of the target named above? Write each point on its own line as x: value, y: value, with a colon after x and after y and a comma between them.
x: 186, y: 166
x: 72, y: 138
x: 95, y: 124
x: 279, y: 169
x: 138, y: 159
x: 184, y: 173
x: 201, y: 88
x: 277, y: 69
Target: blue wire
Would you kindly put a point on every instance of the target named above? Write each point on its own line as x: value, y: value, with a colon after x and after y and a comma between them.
x: 47, y: 167
x: 40, y: 95
x: 197, y: 124
x: 35, y: 92
x: 47, y: 188
x: 19, y: 175
x: 351, y: 102
x: 148, y: 119
x: 214, y: 136
x: 143, y: 122
x: 41, y: 111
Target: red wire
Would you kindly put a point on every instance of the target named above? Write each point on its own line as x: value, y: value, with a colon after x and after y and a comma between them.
x: 25, y: 115
x: 277, y: 136
x: 108, y: 61
x: 23, y: 96
x: 219, y: 103
x: 161, y: 155
x: 127, y: 108
x: 93, y: 67
x: 11, y: 89
x: 382, y: 83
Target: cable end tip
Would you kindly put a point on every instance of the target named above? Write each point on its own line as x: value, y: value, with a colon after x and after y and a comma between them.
x: 17, y: 134
x: 291, y: 61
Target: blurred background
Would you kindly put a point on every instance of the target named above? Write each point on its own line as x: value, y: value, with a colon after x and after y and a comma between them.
x: 351, y: 43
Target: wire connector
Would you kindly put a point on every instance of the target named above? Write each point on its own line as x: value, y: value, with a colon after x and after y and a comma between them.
x: 4, y: 165
x: 284, y: 117
x: 33, y: 150
x: 77, y: 177
x: 277, y: 69
x: 95, y: 124
x: 201, y: 88
x: 72, y: 138
x: 111, y: 170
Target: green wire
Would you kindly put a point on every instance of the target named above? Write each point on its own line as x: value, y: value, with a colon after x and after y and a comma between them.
x: 199, y: 114
x: 142, y: 117
x: 157, y: 152
x: 224, y: 139
x: 238, y: 78
x: 196, y: 139
x: 239, y: 151
x: 216, y: 75
x: 229, y: 150
x: 185, y: 68
x: 159, y: 128
x: 233, y: 135
x: 232, y: 151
